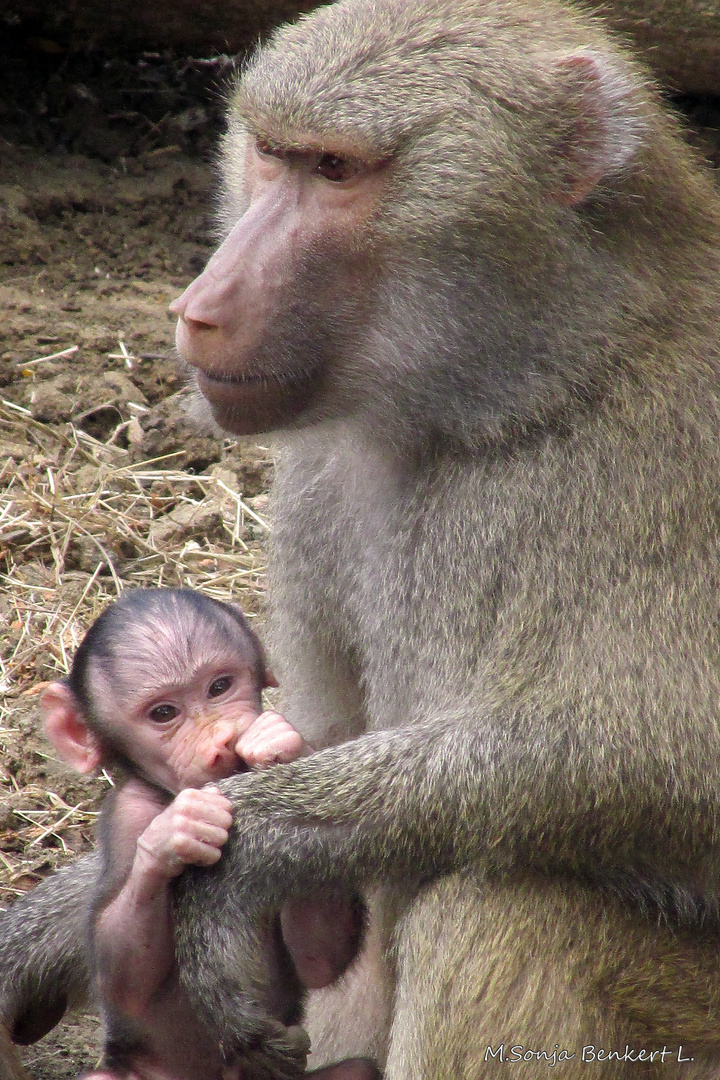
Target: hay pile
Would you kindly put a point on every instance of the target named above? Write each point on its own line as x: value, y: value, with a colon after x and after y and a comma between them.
x: 80, y: 520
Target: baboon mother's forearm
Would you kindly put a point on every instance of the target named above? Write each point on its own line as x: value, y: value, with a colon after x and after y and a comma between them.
x: 43, y: 959
x: 441, y: 795
x: 408, y: 804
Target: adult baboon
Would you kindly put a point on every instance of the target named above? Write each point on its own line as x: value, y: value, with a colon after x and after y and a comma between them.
x: 471, y: 270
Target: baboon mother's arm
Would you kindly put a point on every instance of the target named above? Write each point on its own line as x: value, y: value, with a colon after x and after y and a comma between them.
x: 43, y: 950
x: 421, y: 800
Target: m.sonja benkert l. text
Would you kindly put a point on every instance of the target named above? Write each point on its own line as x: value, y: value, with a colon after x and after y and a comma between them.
x: 586, y: 1053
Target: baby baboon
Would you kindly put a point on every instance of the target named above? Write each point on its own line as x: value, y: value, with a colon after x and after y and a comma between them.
x: 165, y: 690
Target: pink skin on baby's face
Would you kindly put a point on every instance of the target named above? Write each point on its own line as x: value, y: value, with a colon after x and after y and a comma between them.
x: 187, y: 735
x: 183, y: 701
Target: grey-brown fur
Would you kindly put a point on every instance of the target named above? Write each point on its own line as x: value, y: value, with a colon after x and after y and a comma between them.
x: 495, y: 561
x: 11, y: 1068
x: 43, y: 951
x: 495, y: 555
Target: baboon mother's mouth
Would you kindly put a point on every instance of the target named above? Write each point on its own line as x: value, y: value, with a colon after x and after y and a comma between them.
x: 252, y: 402
x: 229, y: 382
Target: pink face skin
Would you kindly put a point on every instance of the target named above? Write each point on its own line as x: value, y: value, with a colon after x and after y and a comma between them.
x: 180, y: 700
x: 298, y: 201
x: 188, y: 735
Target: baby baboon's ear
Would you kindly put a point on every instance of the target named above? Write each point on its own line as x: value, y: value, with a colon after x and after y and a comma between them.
x: 68, y: 731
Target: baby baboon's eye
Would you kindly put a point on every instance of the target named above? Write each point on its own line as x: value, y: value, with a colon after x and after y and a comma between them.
x: 219, y: 686
x: 162, y: 713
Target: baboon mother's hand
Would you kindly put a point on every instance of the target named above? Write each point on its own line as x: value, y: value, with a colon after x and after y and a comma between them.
x: 302, y: 836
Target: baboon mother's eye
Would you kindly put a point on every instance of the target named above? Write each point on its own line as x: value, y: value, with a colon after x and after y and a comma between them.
x: 266, y: 150
x: 329, y: 166
x: 335, y: 168
x: 219, y: 686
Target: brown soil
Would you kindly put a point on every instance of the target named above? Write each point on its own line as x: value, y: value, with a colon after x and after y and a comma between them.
x: 91, y: 253
x: 104, y: 480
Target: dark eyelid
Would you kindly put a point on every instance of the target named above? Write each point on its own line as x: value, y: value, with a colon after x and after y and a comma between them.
x: 268, y: 150
x: 309, y: 159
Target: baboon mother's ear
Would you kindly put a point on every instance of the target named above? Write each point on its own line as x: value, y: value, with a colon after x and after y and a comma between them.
x: 599, y: 124
x: 67, y: 729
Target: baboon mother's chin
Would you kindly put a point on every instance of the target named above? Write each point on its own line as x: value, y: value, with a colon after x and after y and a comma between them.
x: 249, y: 406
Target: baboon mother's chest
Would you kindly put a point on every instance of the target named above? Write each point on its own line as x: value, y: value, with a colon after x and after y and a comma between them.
x: 410, y: 570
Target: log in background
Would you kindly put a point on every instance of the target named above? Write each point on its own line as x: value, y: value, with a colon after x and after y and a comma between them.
x: 680, y: 38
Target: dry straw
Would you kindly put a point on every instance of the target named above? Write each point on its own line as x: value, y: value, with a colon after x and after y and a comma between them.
x: 79, y: 522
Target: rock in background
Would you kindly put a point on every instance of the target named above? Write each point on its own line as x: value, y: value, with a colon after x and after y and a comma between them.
x: 680, y: 39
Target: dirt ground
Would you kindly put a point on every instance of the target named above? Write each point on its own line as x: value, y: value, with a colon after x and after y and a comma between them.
x: 105, y: 482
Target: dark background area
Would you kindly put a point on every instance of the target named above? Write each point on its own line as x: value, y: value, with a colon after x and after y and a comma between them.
x: 120, y: 81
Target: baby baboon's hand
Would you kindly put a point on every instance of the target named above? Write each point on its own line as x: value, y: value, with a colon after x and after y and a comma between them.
x: 191, y: 831
x: 269, y: 740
